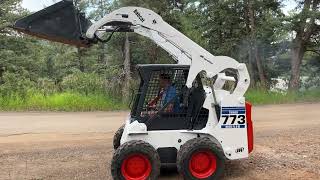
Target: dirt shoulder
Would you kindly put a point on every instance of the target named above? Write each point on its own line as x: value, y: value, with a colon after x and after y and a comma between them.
x: 79, y: 145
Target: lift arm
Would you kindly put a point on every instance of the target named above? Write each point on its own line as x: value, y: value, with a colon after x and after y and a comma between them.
x: 183, y: 50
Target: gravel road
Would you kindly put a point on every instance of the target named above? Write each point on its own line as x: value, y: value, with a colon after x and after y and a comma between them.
x: 79, y: 145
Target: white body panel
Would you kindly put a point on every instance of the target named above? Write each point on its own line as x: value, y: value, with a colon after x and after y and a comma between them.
x: 230, y: 139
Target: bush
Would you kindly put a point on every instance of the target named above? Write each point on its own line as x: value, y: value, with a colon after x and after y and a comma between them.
x: 46, y: 86
x: 15, y: 85
x: 87, y: 83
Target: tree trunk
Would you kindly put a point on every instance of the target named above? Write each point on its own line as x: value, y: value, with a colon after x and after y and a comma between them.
x: 251, y: 68
x: 254, y: 45
x: 50, y: 67
x: 1, y: 74
x: 126, y: 68
x: 153, y: 54
x: 297, y: 53
x: 251, y: 63
x: 80, y: 59
x: 102, y: 57
x: 262, y: 76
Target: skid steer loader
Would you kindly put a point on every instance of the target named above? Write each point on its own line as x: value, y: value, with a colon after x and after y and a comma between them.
x: 183, y: 113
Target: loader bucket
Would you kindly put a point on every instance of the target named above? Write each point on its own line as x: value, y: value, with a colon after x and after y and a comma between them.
x: 61, y: 22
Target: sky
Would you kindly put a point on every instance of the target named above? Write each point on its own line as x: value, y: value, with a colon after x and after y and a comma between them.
x: 36, y: 5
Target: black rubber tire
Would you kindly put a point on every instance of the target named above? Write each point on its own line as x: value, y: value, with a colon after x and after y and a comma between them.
x: 133, y: 147
x: 194, y: 145
x: 117, y: 137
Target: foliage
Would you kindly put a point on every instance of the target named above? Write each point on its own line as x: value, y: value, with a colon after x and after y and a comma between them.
x: 9, y: 11
x: 310, y: 72
x: 87, y: 83
x: 227, y: 29
x: 15, y: 85
x: 46, y: 86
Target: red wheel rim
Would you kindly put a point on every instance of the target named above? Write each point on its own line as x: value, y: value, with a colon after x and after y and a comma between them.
x: 136, y: 167
x: 202, y: 164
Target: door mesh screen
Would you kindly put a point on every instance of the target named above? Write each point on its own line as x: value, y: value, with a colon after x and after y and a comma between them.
x: 165, y: 89
x: 169, y: 105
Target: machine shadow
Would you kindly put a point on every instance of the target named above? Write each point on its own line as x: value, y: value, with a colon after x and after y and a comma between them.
x: 169, y: 171
x: 233, y: 169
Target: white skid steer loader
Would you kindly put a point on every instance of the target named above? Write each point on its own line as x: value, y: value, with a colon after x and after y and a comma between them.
x: 182, y: 114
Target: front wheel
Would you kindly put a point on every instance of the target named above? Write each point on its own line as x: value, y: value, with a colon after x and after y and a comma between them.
x: 135, y: 160
x: 117, y: 137
x: 200, y: 158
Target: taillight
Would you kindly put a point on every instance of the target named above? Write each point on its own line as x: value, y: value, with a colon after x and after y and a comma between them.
x: 249, y: 127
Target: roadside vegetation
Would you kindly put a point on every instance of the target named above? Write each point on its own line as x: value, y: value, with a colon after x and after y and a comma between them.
x: 259, y: 97
x: 77, y: 92
x: 66, y: 101
x: 73, y: 101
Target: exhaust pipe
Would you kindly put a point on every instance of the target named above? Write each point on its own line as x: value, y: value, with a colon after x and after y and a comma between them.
x: 61, y: 22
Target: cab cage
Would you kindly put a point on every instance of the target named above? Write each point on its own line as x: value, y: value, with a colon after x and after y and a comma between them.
x: 186, y: 110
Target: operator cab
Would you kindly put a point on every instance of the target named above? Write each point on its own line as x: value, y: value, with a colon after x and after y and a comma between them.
x: 163, y: 102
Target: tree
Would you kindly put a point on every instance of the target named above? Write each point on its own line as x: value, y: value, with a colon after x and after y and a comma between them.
x: 138, y: 49
x: 9, y: 12
x: 253, y: 41
x: 126, y: 68
x: 241, y: 29
x: 304, y: 24
x: 98, y: 9
x: 7, y: 17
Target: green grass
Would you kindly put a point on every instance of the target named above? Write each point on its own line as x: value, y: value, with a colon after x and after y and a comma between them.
x: 67, y: 101
x: 267, y: 97
x: 71, y: 101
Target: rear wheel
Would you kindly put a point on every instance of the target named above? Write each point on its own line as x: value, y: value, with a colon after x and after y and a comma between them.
x: 200, y: 158
x: 117, y: 137
x: 135, y: 160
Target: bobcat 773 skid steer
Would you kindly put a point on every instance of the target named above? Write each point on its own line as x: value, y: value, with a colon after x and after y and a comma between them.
x: 182, y: 113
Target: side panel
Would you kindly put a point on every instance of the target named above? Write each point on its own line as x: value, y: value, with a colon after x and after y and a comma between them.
x: 160, y: 139
x: 231, y: 130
